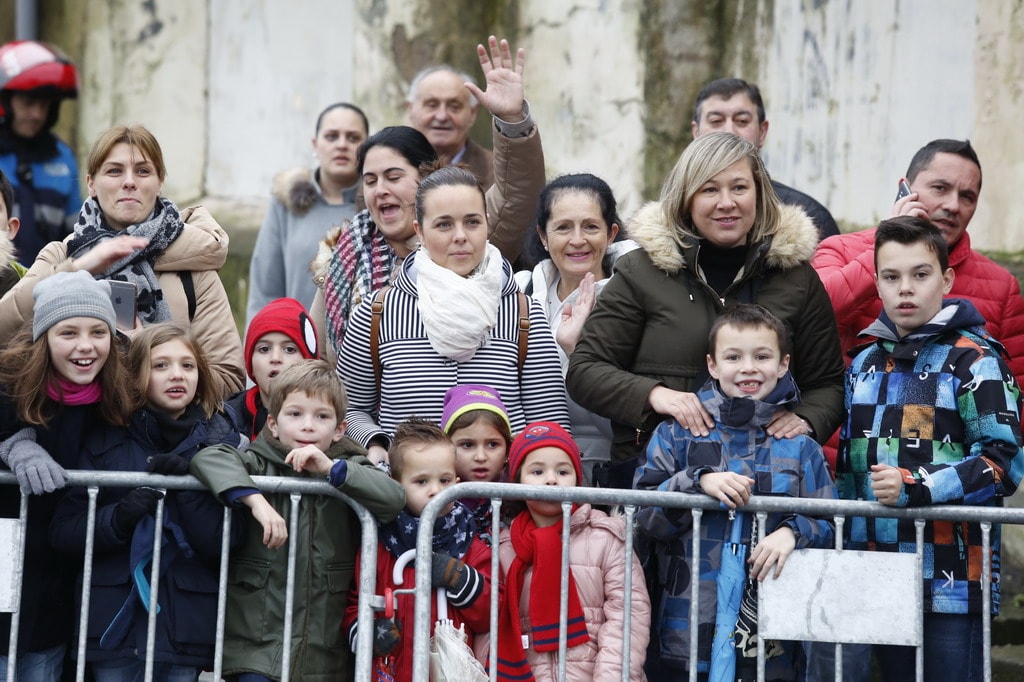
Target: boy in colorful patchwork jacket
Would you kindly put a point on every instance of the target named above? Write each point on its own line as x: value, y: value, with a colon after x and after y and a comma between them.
x: 750, y: 382
x: 933, y: 417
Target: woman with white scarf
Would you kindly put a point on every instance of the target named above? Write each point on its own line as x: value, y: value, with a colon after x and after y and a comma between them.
x: 451, y: 317
x: 127, y: 231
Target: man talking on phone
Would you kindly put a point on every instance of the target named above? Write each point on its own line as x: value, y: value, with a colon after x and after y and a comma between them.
x: 944, y: 178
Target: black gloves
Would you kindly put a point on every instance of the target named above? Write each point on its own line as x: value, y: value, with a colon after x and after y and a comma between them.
x: 386, y: 636
x: 463, y: 583
x: 133, y: 506
x: 166, y: 463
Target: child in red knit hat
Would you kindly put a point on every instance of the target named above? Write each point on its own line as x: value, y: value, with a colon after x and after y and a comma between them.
x: 531, y: 554
x: 279, y: 335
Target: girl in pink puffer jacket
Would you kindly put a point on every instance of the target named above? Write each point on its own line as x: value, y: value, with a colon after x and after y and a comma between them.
x: 531, y: 552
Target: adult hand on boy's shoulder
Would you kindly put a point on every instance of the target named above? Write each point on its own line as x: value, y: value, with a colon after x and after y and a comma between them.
x: 786, y: 424
x: 730, y: 488
x: 309, y: 458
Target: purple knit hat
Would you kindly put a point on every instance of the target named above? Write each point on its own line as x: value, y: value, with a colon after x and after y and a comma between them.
x: 465, y: 398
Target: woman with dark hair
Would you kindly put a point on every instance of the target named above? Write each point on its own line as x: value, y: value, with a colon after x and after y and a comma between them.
x: 718, y: 236
x: 127, y: 231
x: 366, y: 255
x: 453, y: 315
x: 305, y: 204
x: 575, y: 244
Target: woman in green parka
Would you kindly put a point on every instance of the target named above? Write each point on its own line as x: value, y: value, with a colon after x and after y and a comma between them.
x: 717, y: 236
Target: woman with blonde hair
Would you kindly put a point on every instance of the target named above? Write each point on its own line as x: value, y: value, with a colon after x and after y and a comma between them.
x: 717, y: 236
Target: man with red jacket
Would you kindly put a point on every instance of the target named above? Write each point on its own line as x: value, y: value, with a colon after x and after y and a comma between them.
x: 945, y: 183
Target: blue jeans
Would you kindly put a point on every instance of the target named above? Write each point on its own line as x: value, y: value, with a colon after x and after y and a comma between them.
x: 953, y: 650
x: 133, y: 670
x: 37, y: 666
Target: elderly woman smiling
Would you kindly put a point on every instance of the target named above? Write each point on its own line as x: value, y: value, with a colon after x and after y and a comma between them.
x: 127, y: 231
x: 718, y: 236
x: 452, y: 317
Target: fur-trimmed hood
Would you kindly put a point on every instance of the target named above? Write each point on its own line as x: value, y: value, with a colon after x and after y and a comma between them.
x: 794, y: 243
x: 296, y: 189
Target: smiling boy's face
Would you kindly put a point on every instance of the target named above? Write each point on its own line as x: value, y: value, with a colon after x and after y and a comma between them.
x: 306, y: 420
x: 910, y: 283
x: 748, y: 362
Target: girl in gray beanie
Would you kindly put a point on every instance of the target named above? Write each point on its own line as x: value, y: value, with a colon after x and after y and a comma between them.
x: 61, y: 377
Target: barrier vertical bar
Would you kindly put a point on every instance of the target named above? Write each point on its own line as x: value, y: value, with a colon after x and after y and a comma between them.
x: 222, y: 594
x: 695, y: 591
x: 367, y: 589
x: 761, y: 519
x: 986, y: 598
x: 563, y: 598
x: 492, y: 654
x: 289, y: 594
x: 919, y: 551
x: 627, y: 617
x: 154, y: 582
x: 83, y: 614
x: 12, y: 642
x: 840, y: 522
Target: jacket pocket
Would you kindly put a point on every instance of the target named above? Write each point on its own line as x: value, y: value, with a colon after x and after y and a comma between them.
x: 107, y: 596
x: 248, y: 595
x: 191, y: 605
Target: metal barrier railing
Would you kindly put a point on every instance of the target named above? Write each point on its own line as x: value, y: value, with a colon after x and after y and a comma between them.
x: 630, y: 500
x: 296, y: 488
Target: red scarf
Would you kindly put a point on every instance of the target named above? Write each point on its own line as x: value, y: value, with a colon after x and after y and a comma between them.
x: 541, y: 548
x: 68, y: 393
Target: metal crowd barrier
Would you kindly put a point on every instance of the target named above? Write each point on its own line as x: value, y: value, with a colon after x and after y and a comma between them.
x: 296, y: 488
x: 631, y: 500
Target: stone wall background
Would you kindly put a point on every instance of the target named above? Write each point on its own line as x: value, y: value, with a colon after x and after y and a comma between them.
x: 852, y: 89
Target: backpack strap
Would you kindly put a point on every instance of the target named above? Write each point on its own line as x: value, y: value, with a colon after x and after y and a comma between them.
x: 189, y: 285
x: 524, y: 330
x: 376, y: 312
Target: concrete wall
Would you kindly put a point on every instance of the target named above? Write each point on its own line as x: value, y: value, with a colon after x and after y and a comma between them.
x: 852, y: 89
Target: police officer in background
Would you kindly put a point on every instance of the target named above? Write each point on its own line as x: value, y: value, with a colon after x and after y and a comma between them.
x: 34, y: 80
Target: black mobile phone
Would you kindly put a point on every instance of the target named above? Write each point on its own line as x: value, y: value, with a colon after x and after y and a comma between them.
x: 124, y: 296
x: 903, y: 191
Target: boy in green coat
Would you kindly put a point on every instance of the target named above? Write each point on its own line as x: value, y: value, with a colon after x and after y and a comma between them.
x: 304, y: 437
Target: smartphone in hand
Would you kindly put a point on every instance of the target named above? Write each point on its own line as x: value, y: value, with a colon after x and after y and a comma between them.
x: 124, y: 296
x: 903, y: 191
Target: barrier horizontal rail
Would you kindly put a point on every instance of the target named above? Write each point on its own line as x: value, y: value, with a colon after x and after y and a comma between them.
x: 293, y: 486
x: 647, y: 498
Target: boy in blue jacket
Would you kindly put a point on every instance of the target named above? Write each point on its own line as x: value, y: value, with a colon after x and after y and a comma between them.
x: 750, y: 381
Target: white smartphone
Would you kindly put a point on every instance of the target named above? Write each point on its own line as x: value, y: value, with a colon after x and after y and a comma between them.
x: 124, y: 296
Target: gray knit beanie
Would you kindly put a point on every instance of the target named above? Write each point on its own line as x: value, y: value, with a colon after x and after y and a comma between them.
x: 70, y: 294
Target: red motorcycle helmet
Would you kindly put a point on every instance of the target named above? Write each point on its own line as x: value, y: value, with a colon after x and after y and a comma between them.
x: 35, y: 68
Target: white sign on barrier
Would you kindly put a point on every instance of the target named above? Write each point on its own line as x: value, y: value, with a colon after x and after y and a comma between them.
x: 10, y: 564
x: 826, y: 595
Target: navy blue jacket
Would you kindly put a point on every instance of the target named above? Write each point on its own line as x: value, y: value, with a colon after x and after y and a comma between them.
x: 191, y: 547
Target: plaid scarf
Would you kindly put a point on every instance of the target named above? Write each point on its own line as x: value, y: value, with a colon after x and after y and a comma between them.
x: 541, y: 548
x: 361, y: 263
x: 161, y: 228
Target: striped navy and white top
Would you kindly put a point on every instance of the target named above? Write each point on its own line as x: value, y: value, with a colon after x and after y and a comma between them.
x: 414, y: 377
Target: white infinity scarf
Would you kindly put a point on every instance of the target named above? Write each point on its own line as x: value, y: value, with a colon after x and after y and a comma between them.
x: 459, y: 312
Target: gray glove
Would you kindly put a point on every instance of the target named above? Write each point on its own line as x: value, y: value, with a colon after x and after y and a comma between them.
x: 37, y: 472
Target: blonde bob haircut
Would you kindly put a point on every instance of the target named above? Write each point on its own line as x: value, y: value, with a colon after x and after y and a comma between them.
x: 135, y: 135
x: 706, y: 157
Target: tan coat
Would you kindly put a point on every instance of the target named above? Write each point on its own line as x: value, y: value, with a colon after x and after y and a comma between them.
x: 201, y: 249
